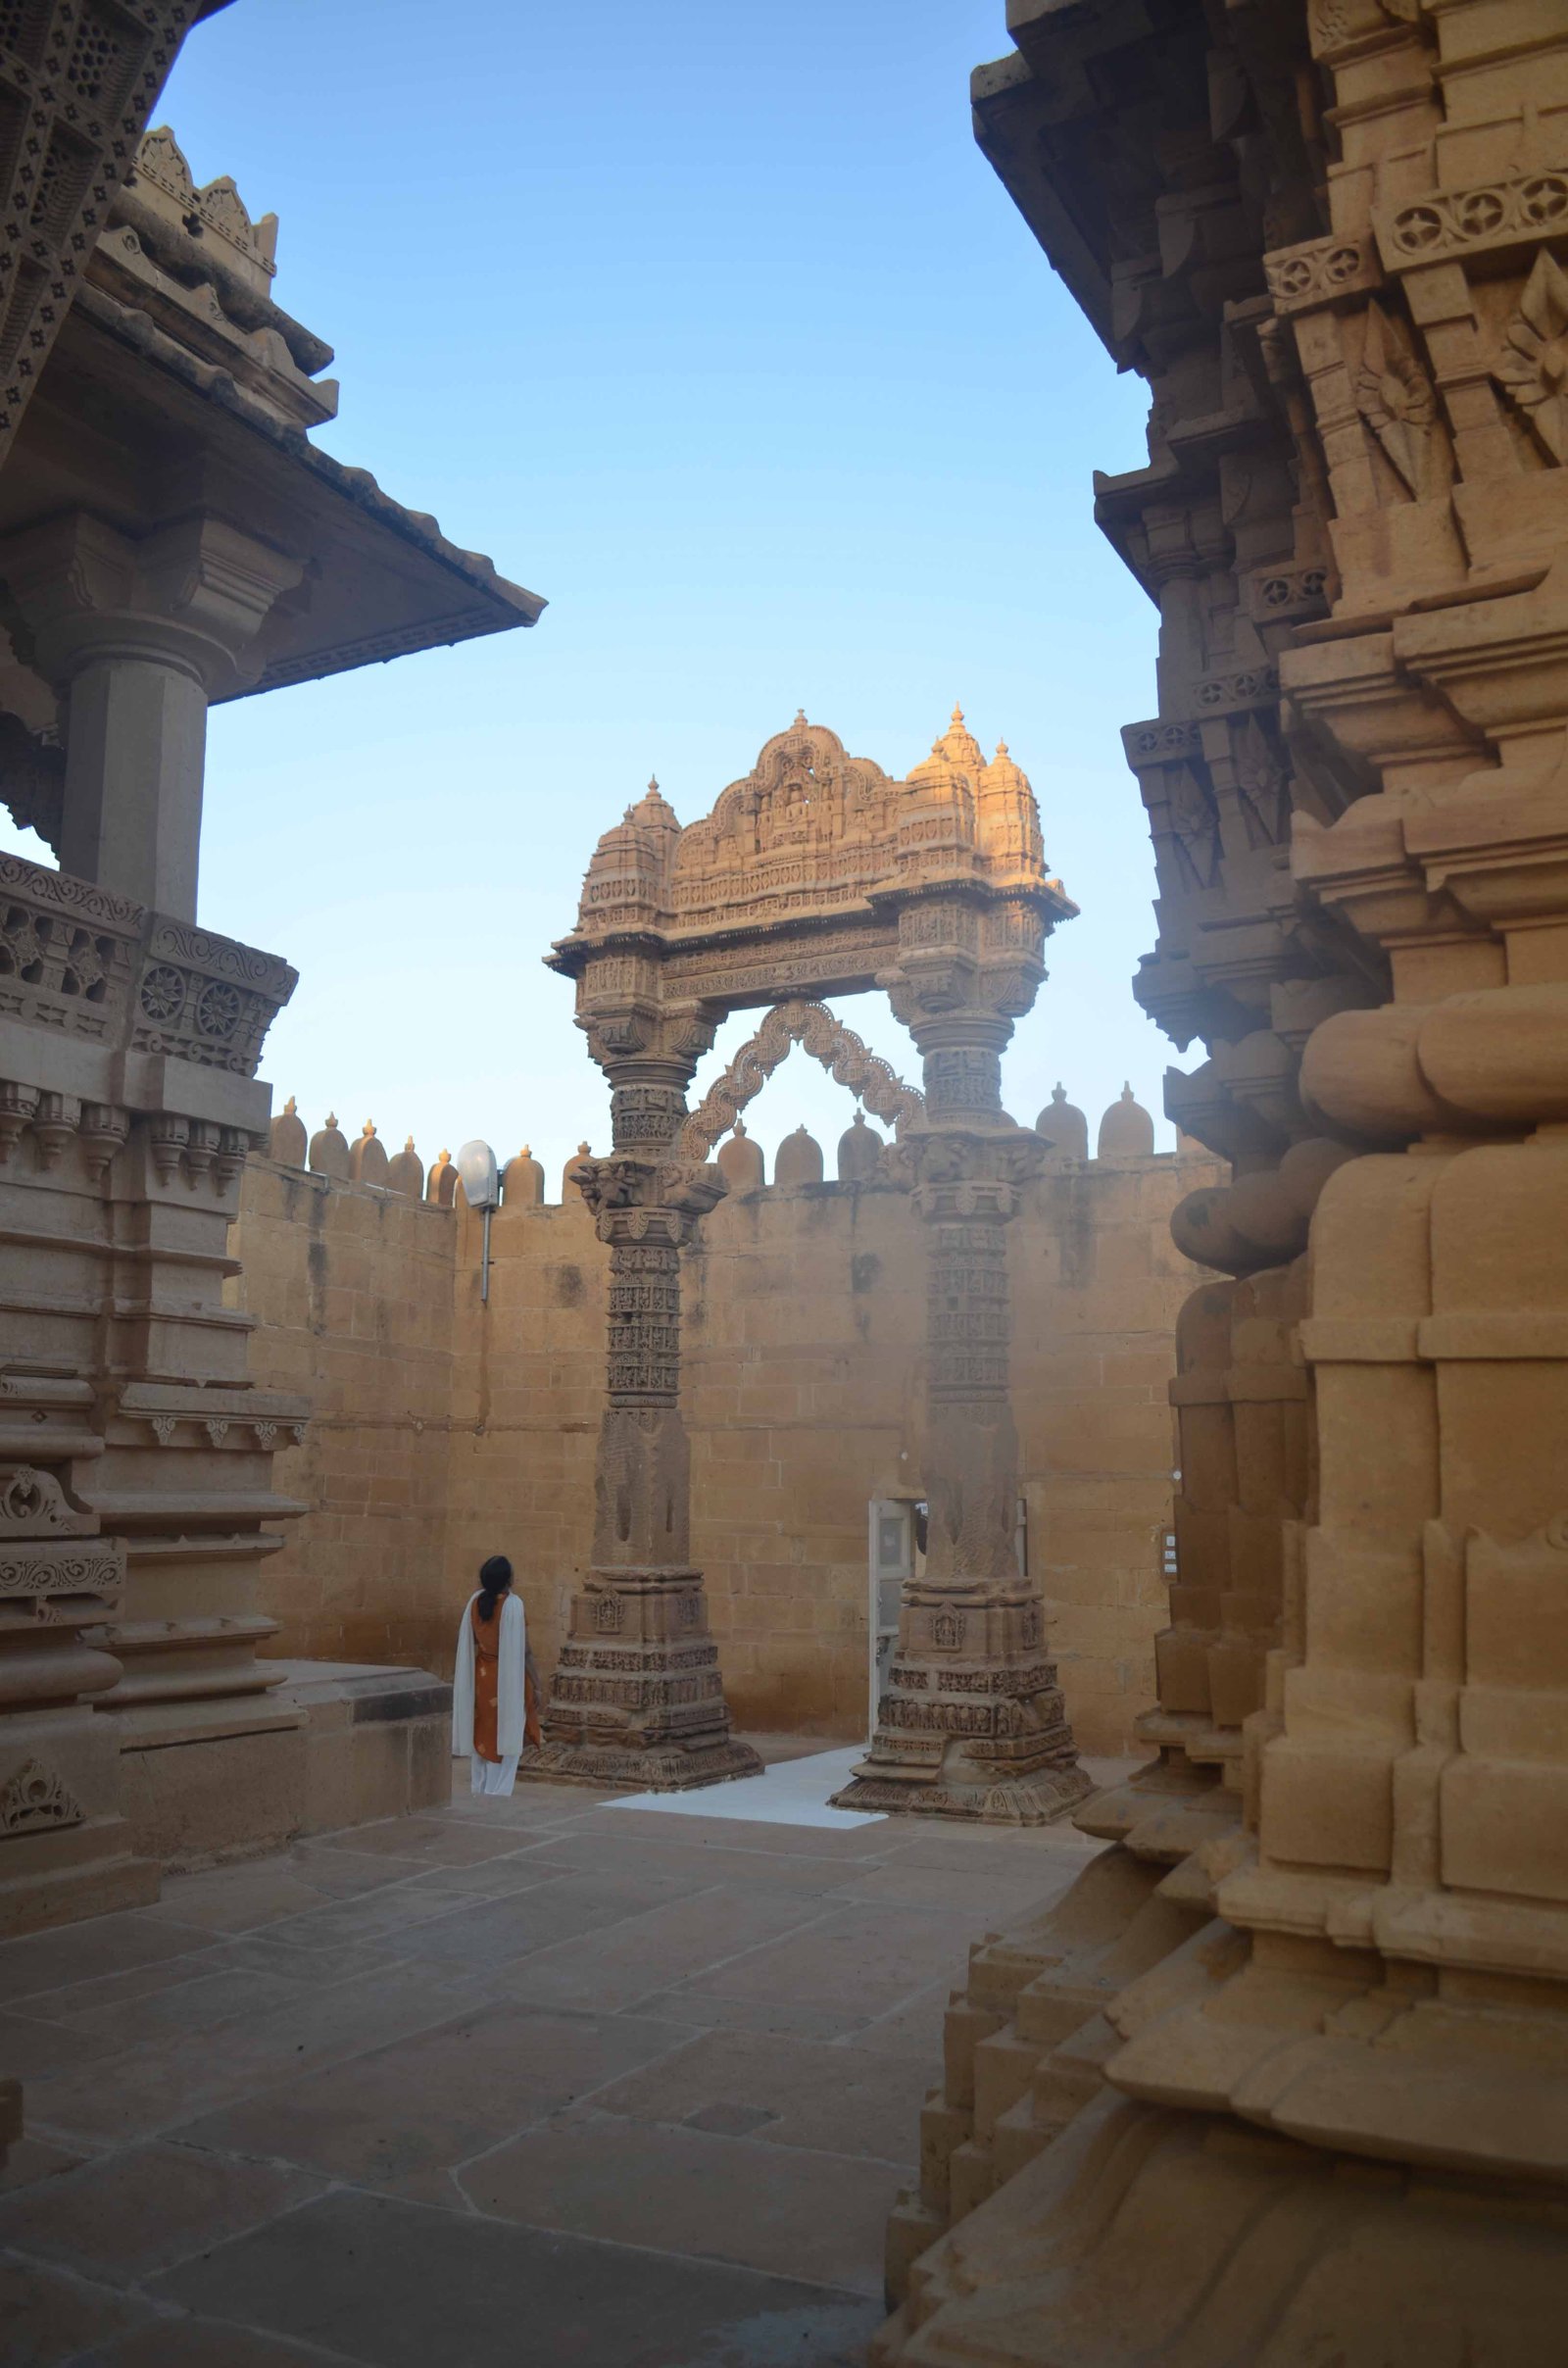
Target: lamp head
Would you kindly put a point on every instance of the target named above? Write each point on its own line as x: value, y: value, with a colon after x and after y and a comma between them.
x: 481, y: 1181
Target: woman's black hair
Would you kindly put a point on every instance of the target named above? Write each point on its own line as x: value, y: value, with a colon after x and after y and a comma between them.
x: 495, y: 1577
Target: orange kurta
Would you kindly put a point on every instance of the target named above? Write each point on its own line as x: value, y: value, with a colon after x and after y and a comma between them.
x: 487, y: 1688
x: 486, y: 1681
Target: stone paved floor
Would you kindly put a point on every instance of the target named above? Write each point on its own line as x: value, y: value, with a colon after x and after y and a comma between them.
x: 508, y: 2082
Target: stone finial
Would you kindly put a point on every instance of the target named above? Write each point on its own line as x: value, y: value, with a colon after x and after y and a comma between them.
x: 1063, y: 1125
x: 442, y: 1182
x: 1126, y: 1131
x: 405, y: 1174
x: 522, y: 1181
x: 368, y: 1160
x: 956, y: 750
x: 570, y: 1197
x: 286, y: 1141
x: 799, y: 1160
x: 740, y: 1162
x: 859, y: 1153
x: 800, y: 715
x: 329, y: 1151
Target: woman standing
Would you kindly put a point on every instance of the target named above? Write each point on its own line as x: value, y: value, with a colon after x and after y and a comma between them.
x: 493, y: 1693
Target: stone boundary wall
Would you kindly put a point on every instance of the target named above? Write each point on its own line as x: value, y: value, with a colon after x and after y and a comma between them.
x: 444, y: 1430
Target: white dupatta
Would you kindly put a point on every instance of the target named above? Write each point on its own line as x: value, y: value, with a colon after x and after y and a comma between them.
x: 513, y: 1702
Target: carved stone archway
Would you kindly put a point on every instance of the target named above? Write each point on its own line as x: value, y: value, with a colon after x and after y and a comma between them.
x: 817, y: 874
x: 811, y: 1026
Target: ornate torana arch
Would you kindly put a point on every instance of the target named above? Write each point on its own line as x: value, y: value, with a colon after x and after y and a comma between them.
x: 843, y: 1055
x: 817, y: 874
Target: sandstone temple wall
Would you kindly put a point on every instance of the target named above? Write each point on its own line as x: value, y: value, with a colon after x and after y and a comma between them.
x: 443, y: 1430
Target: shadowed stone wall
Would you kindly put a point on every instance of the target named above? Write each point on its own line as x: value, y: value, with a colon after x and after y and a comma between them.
x: 443, y: 1431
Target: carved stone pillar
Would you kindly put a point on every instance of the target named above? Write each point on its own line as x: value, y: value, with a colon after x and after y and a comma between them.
x: 637, y: 1697
x: 136, y: 637
x: 973, y: 1723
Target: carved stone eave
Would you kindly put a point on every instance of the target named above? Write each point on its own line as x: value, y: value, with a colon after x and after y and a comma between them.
x: 384, y: 581
x: 1006, y: 101
x: 63, y: 66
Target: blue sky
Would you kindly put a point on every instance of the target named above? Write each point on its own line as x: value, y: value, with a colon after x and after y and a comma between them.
x: 712, y: 324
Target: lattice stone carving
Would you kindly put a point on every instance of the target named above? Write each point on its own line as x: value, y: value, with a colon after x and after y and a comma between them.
x: 841, y: 1052
x: 77, y: 80
x: 83, y: 961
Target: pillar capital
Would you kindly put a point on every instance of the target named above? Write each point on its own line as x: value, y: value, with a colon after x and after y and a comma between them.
x: 193, y: 595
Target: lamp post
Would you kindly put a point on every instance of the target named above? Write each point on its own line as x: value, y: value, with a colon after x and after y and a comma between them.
x: 481, y: 1189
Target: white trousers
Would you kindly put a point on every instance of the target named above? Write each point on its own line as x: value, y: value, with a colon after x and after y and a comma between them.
x: 494, y: 1777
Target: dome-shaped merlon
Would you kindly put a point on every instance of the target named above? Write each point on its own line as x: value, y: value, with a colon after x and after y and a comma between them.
x: 405, y: 1174
x: 799, y: 1160
x: 522, y: 1181
x: 1064, y: 1126
x: 368, y: 1160
x: 286, y: 1140
x: 740, y: 1162
x: 859, y: 1153
x: 442, y: 1183
x: 329, y: 1151
x: 1126, y: 1131
x: 570, y: 1197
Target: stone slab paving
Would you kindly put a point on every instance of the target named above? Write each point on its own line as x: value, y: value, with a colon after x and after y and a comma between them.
x: 510, y: 2082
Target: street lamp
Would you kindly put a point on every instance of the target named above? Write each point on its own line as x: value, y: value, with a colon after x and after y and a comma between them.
x: 481, y: 1189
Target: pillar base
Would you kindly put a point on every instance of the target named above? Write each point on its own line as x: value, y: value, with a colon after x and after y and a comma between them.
x: 660, y: 1769
x: 68, y: 1851
x: 973, y: 1723
x: 637, y: 1698
x: 64, y: 1878
x: 1040, y: 1799
x: 1144, y: 2234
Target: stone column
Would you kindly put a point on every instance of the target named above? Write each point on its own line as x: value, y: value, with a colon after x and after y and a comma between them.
x: 972, y: 1724
x: 136, y: 637
x: 637, y: 1697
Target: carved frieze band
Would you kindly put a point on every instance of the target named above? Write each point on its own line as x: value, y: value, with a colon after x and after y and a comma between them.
x: 644, y: 1322
x: 84, y: 964
x: 1320, y: 271
x: 37, y: 1568
x: 1469, y: 221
